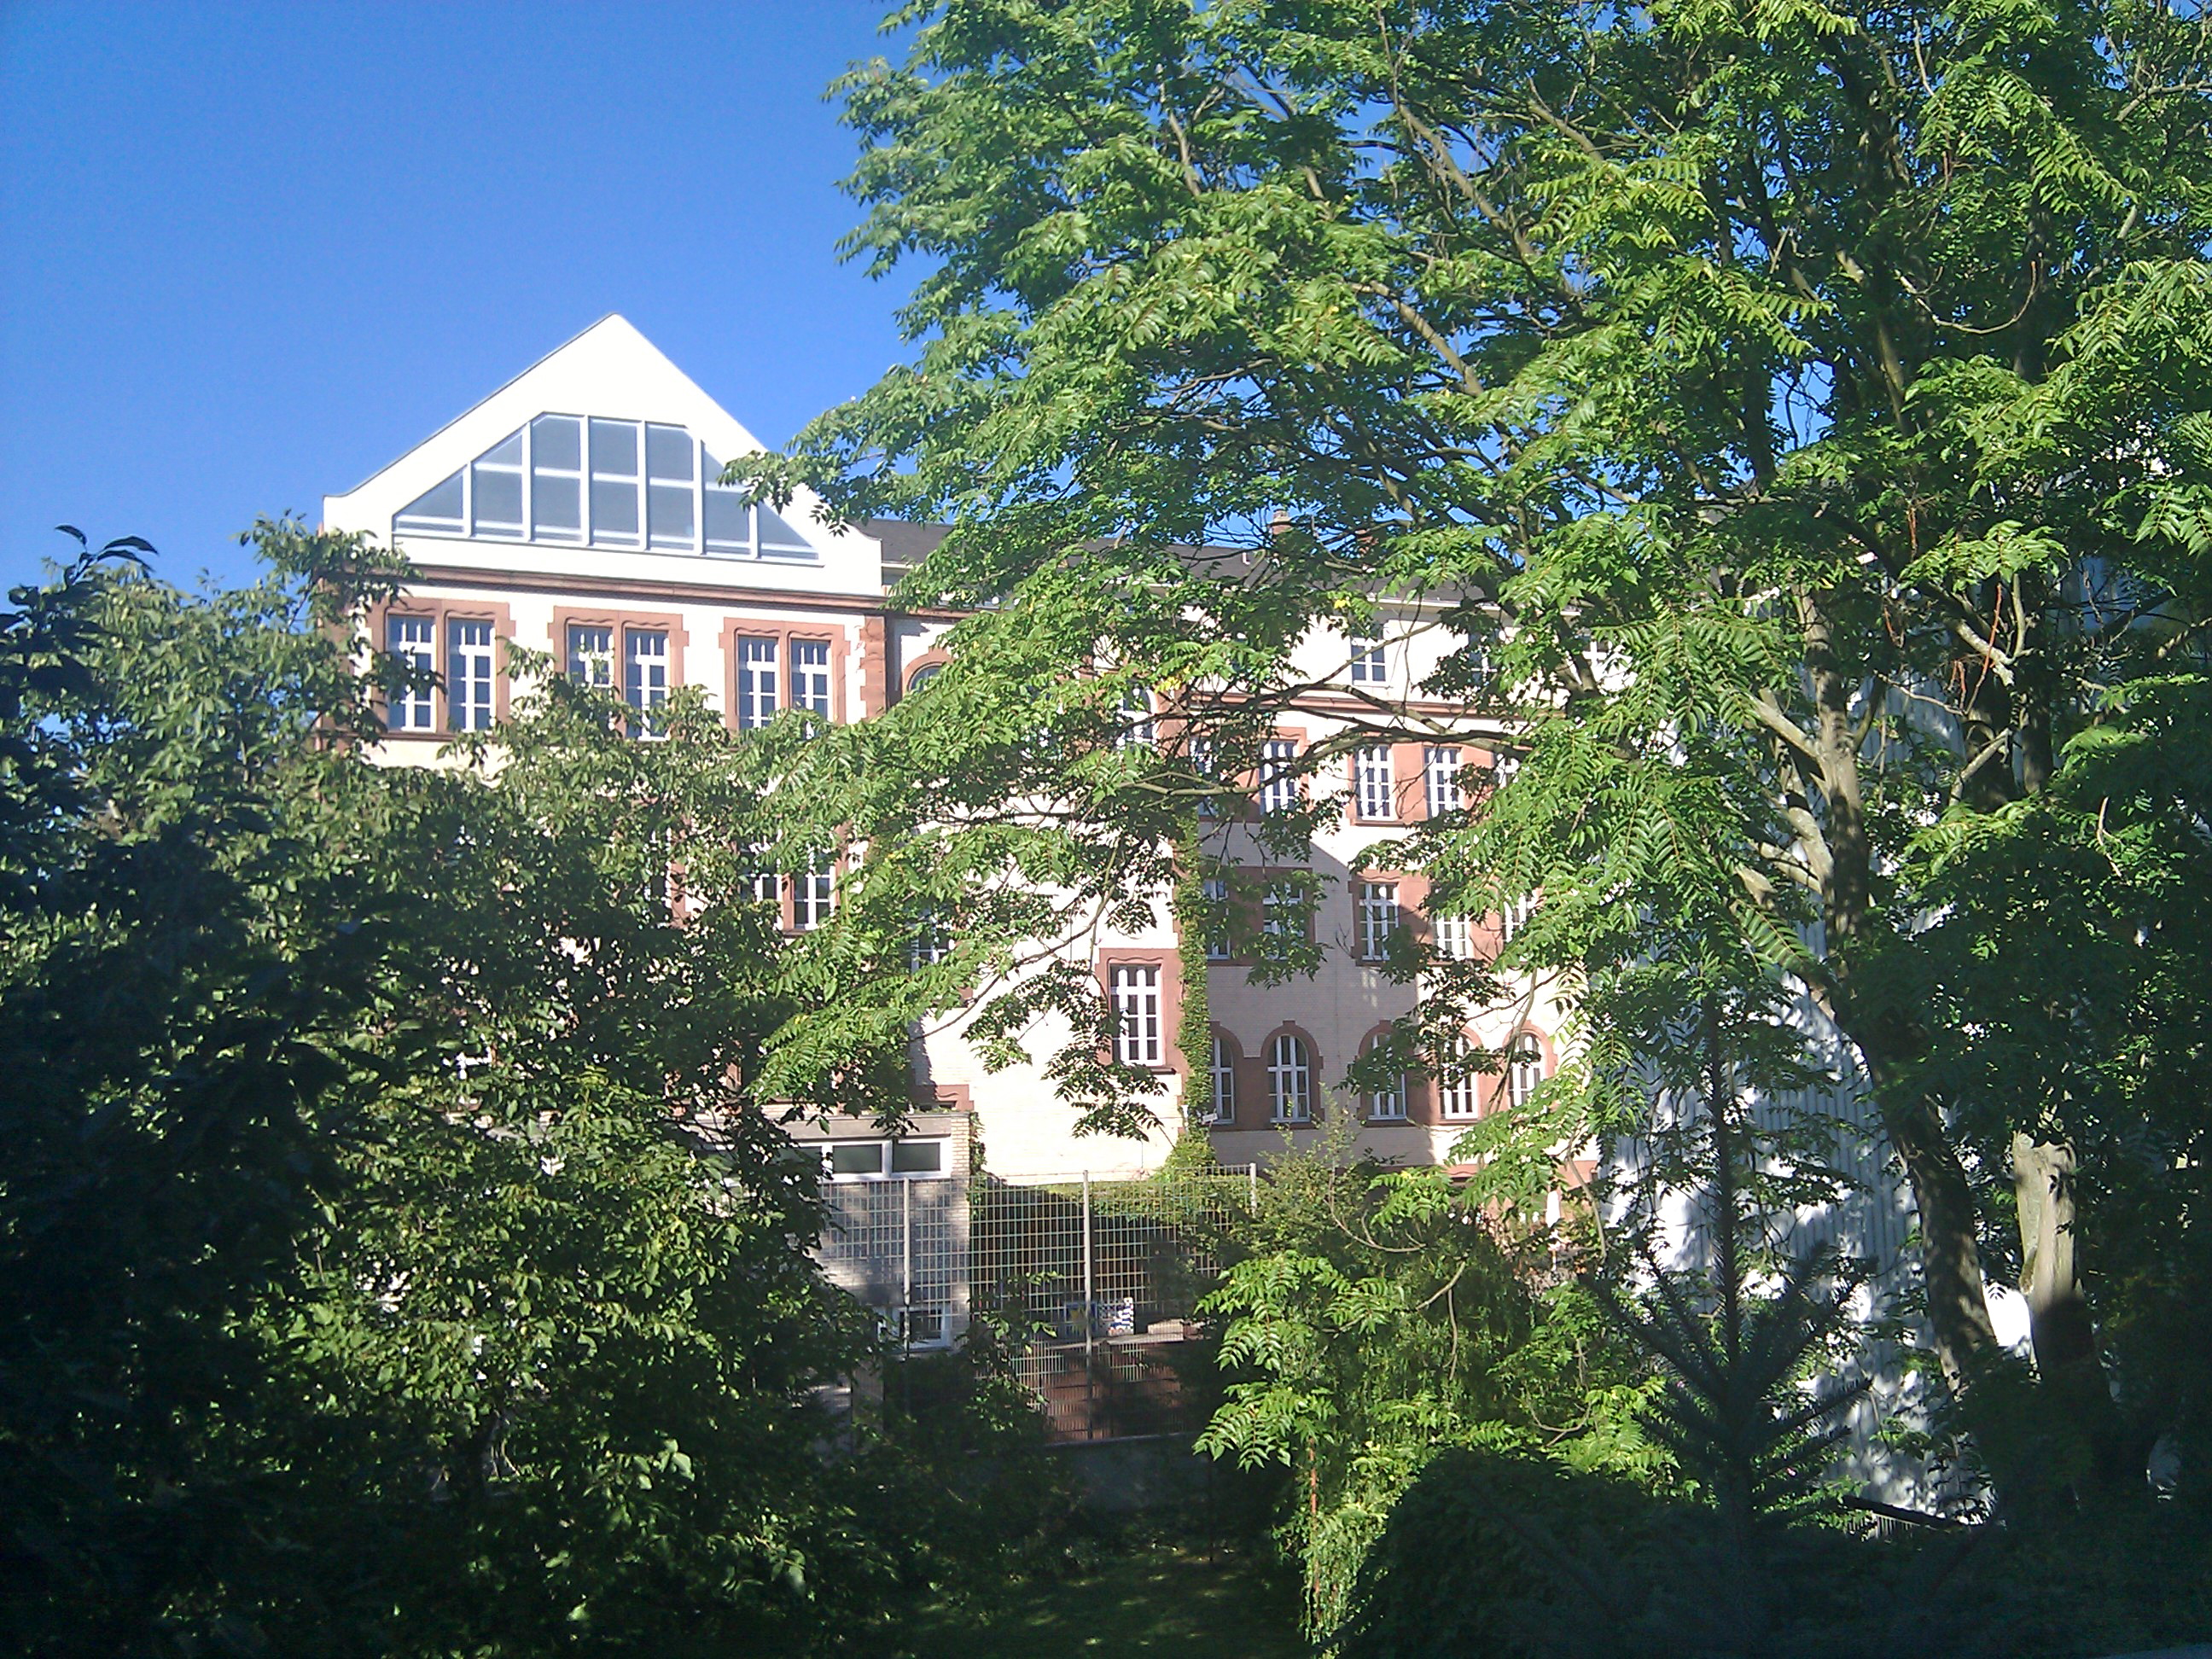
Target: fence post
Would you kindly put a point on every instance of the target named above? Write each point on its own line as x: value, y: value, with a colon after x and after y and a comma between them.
x: 1090, y: 1323
x: 906, y: 1262
x: 1252, y: 1176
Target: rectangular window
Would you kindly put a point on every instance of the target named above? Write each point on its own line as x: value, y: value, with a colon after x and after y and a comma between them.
x: 1136, y: 996
x: 757, y: 670
x: 1515, y: 917
x: 556, y: 478
x: 1455, y: 938
x: 671, y: 489
x: 1378, y: 918
x: 1137, y: 731
x: 1222, y: 1073
x: 468, y: 675
x: 1459, y: 1089
x: 645, y: 672
x: 614, y: 482
x: 495, y: 490
x: 1375, y: 786
x: 1440, y: 778
x: 1279, y: 781
x: 1217, y: 918
x: 1199, y: 751
x: 813, y: 897
x: 810, y: 676
x: 592, y: 655
x: 872, y: 1160
x: 413, y: 640
x: 1282, y: 910
x: 1367, y: 661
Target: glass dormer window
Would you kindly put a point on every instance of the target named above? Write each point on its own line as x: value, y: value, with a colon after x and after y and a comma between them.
x: 495, y: 490
x: 589, y: 480
x: 614, y: 484
x: 437, y: 511
x: 556, y: 478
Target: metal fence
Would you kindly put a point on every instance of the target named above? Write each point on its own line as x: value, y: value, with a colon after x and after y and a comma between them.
x: 1092, y: 1286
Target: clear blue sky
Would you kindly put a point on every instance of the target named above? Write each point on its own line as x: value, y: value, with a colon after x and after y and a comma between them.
x: 250, y: 253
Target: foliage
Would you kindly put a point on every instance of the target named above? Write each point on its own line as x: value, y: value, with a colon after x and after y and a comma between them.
x: 1791, y: 421
x: 398, y: 1258
x: 1375, y: 1322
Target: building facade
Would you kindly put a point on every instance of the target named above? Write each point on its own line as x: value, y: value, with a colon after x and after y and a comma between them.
x: 575, y: 512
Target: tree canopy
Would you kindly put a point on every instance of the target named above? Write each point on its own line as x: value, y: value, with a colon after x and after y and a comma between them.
x: 1795, y: 419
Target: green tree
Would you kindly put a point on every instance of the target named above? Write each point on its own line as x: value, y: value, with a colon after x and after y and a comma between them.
x: 1807, y: 407
x: 399, y: 1256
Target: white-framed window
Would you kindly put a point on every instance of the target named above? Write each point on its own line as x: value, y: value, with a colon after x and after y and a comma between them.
x: 1200, y: 752
x: 645, y: 672
x: 1515, y: 916
x: 495, y: 491
x: 1503, y: 769
x: 932, y: 942
x: 916, y: 1159
x: 1282, y: 910
x: 556, y: 478
x: 1459, y: 1088
x: 1379, y: 918
x: 1221, y: 1069
x: 1440, y: 778
x: 1524, y: 1068
x: 1216, y: 888
x: 1369, y: 665
x: 1278, y: 779
x: 468, y: 675
x: 761, y: 880
x: 1454, y: 938
x: 757, y: 673
x: 810, y: 676
x: 1135, y: 988
x: 1387, y: 1104
x: 1290, y: 1079
x: 614, y: 446
x: 1375, y: 784
x: 1138, y: 729
x: 414, y: 641
x: 592, y: 655
x: 813, y: 896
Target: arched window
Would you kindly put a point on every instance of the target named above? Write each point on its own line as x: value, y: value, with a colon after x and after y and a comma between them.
x: 1221, y: 1068
x: 1387, y: 1104
x: 1290, y: 1079
x: 922, y: 676
x: 1459, y: 1085
x: 1524, y: 1068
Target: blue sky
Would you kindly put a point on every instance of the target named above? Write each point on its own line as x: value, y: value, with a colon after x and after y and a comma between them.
x: 250, y: 253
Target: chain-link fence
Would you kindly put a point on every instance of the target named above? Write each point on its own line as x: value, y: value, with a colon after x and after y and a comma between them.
x: 1092, y: 1286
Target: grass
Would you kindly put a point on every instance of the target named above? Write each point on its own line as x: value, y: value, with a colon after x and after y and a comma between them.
x: 1158, y: 1598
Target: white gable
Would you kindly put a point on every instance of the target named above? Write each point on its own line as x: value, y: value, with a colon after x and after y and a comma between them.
x: 604, y: 419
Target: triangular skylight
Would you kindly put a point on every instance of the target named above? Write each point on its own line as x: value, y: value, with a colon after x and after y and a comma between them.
x: 581, y: 480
